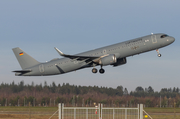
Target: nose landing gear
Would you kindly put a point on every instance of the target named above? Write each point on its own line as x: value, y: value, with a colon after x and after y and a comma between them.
x: 159, y: 55
x: 157, y: 50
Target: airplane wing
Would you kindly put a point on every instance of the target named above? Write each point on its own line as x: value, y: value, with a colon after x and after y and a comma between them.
x: 75, y: 57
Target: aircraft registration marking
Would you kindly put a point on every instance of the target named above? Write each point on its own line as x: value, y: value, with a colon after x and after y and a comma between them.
x: 135, y: 47
x: 134, y: 41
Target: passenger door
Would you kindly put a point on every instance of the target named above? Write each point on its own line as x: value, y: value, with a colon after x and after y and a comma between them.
x: 154, y: 40
x: 41, y: 68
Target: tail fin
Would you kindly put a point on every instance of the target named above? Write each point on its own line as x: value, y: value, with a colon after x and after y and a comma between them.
x: 24, y: 59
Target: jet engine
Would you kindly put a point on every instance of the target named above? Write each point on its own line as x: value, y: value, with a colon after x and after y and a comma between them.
x: 120, y: 61
x: 108, y: 60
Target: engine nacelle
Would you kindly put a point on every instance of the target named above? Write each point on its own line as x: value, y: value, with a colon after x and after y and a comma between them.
x: 108, y: 60
x: 120, y: 61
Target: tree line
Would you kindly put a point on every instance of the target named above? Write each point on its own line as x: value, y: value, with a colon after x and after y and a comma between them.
x: 50, y: 95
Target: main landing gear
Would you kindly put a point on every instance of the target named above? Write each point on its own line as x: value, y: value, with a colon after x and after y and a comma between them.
x: 157, y: 50
x: 101, y: 71
x: 94, y: 70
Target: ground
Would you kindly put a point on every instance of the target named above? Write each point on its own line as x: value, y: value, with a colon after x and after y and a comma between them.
x: 47, y: 112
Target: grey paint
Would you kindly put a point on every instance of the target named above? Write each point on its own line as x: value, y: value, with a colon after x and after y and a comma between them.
x: 31, y: 67
x: 25, y: 60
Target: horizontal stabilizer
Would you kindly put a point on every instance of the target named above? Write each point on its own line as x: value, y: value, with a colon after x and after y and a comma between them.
x: 23, y: 71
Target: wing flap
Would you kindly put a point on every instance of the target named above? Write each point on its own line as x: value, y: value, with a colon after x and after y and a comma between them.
x: 75, y: 56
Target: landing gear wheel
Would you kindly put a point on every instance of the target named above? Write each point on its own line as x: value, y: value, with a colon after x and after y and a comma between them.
x: 94, y: 70
x: 101, y: 71
x: 159, y: 55
x: 157, y: 50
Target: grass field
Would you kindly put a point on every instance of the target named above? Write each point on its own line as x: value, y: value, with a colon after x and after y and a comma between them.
x: 34, y: 109
x: 28, y: 113
x: 46, y: 112
x: 163, y: 113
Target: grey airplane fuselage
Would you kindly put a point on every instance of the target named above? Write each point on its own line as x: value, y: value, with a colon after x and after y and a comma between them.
x: 120, y: 50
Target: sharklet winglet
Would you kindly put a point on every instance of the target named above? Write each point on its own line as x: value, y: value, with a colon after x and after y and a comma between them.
x: 61, y: 53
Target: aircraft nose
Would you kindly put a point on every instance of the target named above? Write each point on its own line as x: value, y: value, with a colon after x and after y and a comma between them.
x: 172, y: 39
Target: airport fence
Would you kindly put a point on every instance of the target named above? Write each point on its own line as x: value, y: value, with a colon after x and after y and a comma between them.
x: 101, y: 112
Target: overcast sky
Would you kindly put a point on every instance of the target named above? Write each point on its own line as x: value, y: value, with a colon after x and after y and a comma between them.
x: 74, y: 26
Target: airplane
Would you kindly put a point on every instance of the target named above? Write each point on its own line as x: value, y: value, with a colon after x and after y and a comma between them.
x: 114, y: 55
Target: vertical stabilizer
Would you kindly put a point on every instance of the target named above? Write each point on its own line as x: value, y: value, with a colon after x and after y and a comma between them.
x: 24, y: 59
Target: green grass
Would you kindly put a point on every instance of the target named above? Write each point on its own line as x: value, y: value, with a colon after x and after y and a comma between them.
x: 155, y: 113
x: 33, y: 109
x: 163, y: 113
x: 44, y: 109
x: 162, y: 110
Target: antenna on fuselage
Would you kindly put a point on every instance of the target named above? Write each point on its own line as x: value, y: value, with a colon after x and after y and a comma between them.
x: 151, y: 33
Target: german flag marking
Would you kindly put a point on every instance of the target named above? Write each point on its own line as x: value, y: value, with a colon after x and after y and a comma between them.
x: 20, y: 54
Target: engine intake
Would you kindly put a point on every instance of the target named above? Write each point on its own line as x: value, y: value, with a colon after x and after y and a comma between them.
x: 120, y: 61
x: 108, y: 60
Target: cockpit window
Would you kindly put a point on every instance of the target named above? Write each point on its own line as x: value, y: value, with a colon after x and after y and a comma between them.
x: 163, y: 36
